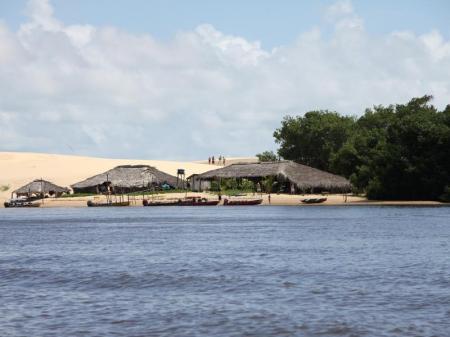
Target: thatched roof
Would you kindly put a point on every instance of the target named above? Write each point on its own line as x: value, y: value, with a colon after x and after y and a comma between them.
x: 42, y: 187
x: 304, y: 177
x: 128, y: 176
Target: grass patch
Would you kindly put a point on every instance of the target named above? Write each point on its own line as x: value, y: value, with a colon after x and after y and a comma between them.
x: 234, y: 192
x: 77, y: 195
x: 158, y: 192
x: 4, y: 188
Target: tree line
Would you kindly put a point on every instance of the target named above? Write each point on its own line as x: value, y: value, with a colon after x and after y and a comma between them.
x: 396, y: 152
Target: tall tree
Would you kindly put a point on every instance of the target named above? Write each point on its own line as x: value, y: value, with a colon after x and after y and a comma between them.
x: 399, y: 152
x: 313, y: 139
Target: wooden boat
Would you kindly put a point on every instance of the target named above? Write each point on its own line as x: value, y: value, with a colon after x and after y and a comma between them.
x: 242, y: 202
x: 314, y: 200
x: 20, y: 203
x: 91, y: 203
x: 197, y: 201
x: 188, y: 201
x: 145, y: 202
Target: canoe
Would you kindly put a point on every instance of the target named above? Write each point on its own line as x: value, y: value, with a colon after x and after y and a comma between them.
x: 91, y: 203
x: 145, y: 202
x: 201, y: 202
x: 314, y: 200
x: 243, y: 202
x: 189, y: 201
x: 11, y: 204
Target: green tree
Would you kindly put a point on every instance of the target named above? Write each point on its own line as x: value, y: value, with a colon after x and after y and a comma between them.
x: 399, y: 152
x: 313, y: 139
x: 267, y: 156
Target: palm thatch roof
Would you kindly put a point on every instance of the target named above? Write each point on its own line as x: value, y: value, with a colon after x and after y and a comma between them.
x: 40, y: 186
x: 304, y: 177
x: 162, y: 177
x: 128, y: 177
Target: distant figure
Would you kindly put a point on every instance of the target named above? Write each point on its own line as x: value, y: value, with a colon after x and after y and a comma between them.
x: 258, y: 187
x: 212, y: 160
x: 220, y: 159
x: 269, y: 198
x: 220, y: 196
x: 209, y: 160
x: 223, y: 161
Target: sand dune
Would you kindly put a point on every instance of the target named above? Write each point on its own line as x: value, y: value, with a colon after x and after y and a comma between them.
x: 17, y: 169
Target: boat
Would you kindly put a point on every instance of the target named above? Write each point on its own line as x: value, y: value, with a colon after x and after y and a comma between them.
x: 242, y: 202
x: 188, y: 201
x: 197, y: 201
x: 91, y: 203
x: 313, y: 200
x: 20, y: 202
x: 145, y: 202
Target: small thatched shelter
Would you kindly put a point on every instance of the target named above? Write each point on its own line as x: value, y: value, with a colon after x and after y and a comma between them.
x: 290, y: 176
x: 40, y: 188
x: 197, y: 184
x: 125, y: 179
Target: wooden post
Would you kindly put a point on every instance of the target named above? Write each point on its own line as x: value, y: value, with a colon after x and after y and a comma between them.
x: 42, y: 190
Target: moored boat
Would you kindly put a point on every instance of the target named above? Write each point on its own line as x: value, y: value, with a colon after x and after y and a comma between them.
x: 313, y: 200
x: 146, y: 202
x: 188, y: 201
x: 242, y: 202
x: 91, y: 203
x: 20, y: 203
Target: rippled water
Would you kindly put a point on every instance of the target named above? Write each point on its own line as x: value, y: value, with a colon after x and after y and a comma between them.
x: 257, y: 271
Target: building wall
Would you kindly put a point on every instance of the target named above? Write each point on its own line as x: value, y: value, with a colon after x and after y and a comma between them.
x: 198, y: 185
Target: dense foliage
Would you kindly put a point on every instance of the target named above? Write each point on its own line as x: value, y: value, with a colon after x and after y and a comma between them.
x: 394, y: 152
x: 314, y: 138
x: 267, y: 156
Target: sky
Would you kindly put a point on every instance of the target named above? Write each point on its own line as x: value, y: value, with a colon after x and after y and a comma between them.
x: 184, y: 80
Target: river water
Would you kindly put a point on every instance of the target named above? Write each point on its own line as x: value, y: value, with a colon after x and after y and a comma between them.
x: 218, y: 271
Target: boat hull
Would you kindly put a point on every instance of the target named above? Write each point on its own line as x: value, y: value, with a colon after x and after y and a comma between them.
x: 21, y: 205
x: 108, y: 204
x: 242, y: 202
x: 182, y: 203
x: 314, y: 200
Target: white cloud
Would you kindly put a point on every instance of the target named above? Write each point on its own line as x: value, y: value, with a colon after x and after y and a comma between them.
x: 103, y: 91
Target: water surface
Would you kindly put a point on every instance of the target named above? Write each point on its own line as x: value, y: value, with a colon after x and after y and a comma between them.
x: 244, y: 271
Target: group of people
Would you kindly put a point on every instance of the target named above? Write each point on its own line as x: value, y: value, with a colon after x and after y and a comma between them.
x: 220, y: 161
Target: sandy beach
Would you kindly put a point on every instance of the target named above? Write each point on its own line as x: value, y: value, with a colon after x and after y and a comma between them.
x: 17, y: 169
x: 275, y: 200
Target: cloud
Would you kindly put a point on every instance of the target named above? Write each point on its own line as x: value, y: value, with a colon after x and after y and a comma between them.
x: 104, y: 91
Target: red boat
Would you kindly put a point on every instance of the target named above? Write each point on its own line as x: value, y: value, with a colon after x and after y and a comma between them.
x: 188, y: 201
x: 242, y: 202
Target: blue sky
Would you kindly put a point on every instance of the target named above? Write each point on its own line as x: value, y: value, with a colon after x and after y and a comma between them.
x: 190, y: 79
x: 273, y: 23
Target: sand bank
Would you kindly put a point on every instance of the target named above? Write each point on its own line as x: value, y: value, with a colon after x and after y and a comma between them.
x: 275, y: 200
x: 17, y: 169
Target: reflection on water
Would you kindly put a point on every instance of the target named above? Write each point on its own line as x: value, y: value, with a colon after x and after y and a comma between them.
x: 256, y: 271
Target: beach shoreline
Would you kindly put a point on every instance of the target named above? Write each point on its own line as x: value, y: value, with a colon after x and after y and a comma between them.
x: 19, y: 168
x: 276, y: 200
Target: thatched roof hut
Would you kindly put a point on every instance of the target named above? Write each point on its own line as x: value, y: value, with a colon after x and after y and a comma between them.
x: 125, y: 178
x: 40, y: 187
x: 304, y: 178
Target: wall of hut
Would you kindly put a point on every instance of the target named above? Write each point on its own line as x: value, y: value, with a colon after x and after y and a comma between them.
x: 198, y: 185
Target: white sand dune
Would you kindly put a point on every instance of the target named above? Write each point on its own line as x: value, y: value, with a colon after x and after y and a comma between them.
x: 17, y: 168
